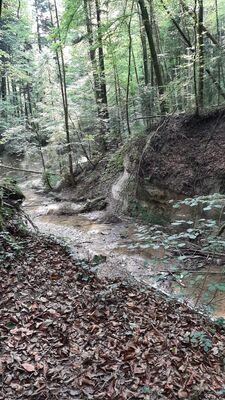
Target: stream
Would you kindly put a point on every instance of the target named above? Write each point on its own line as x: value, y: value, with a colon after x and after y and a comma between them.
x: 119, y: 251
x: 117, y: 247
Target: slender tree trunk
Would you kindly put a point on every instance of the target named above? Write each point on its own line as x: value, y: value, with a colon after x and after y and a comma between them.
x: 204, y: 29
x: 201, y: 55
x: 15, y: 99
x: 100, y: 92
x: 129, y: 69
x: 144, y: 52
x: 189, y: 44
x: 29, y: 99
x: 195, y: 62
x: 219, y: 65
x: 117, y: 91
x: 4, y: 96
x: 63, y: 87
x: 3, y: 88
x: 155, y: 61
x: 104, y: 100
x: 38, y: 26
x: 21, y: 106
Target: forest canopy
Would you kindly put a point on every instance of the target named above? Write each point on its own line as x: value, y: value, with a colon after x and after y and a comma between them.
x: 83, y: 76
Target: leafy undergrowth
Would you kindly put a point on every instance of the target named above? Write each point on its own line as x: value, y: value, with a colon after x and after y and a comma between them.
x: 67, y: 335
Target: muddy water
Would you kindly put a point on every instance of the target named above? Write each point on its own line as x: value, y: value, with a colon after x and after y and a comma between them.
x: 126, y: 254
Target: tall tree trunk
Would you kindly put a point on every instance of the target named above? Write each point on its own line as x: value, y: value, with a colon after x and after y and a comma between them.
x: 205, y: 30
x: 118, y: 98
x: 4, y: 95
x: 62, y: 79
x: 195, y: 63
x: 201, y: 55
x: 155, y: 61
x: 92, y: 55
x: 15, y: 99
x: 38, y: 26
x: 104, y: 100
x: 144, y: 52
x: 219, y: 64
x: 189, y: 44
x: 98, y: 79
x: 129, y: 69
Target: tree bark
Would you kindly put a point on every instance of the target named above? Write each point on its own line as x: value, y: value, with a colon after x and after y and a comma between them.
x: 201, y: 55
x: 189, y: 44
x: 104, y: 117
x: 155, y: 61
x: 62, y: 80
x: 38, y: 26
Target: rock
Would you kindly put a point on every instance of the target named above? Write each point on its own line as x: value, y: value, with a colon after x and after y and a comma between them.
x: 110, y: 219
x: 97, y: 204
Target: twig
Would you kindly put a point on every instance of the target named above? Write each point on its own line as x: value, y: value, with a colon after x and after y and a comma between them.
x: 177, y: 280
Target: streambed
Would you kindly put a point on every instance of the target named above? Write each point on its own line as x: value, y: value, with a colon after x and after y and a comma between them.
x: 122, y: 251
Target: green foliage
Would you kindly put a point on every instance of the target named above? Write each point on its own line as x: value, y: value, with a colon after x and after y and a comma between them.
x: 207, y: 217
x: 221, y: 391
x: 10, y: 248
x: 220, y: 321
x: 145, y: 390
x: 10, y: 198
x: 10, y: 221
x: 170, y: 243
x: 115, y: 163
x: 199, y: 338
x: 49, y: 180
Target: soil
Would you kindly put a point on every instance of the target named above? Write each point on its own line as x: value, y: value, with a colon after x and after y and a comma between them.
x: 186, y: 155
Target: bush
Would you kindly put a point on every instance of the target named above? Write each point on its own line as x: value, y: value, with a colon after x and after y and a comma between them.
x: 11, y: 199
x: 11, y: 220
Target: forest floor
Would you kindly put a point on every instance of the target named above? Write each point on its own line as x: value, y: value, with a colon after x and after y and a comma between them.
x: 66, y: 334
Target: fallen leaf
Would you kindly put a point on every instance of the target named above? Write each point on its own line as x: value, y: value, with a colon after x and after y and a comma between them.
x: 28, y: 367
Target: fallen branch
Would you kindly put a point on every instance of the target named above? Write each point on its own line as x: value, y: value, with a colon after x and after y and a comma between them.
x: 221, y: 230
x: 177, y: 280
x: 23, y: 170
x: 199, y: 252
x: 188, y: 272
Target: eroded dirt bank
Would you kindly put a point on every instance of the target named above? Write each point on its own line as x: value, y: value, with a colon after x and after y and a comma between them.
x: 182, y: 156
x: 186, y: 155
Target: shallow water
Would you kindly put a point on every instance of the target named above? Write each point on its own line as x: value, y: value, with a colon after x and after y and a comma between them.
x: 126, y: 253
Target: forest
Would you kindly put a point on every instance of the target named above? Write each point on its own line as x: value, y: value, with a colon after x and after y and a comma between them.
x: 85, y: 77
x: 112, y: 199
